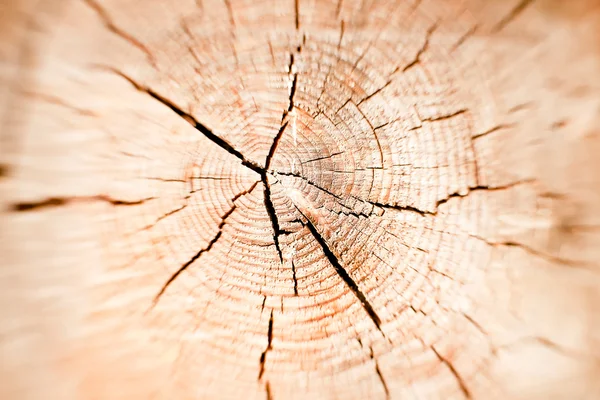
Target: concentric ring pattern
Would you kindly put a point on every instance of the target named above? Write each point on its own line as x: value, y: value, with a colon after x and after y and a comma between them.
x: 300, y: 199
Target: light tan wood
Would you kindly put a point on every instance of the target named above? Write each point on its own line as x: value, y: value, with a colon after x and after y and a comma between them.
x: 309, y: 199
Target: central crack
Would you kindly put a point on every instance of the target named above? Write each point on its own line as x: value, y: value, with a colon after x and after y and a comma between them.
x: 264, y: 173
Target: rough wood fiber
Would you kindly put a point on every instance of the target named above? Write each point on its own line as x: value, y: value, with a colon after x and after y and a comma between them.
x: 300, y: 199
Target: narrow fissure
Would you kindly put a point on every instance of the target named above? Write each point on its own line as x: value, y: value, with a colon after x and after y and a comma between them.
x: 209, y: 134
x: 104, y: 17
x: 335, y: 262
x: 459, y: 380
x: 205, y: 249
x: 518, y: 9
x: 263, y: 356
x: 422, y: 50
x: 295, y: 278
x: 378, y: 372
x: 308, y: 181
x: 61, y: 201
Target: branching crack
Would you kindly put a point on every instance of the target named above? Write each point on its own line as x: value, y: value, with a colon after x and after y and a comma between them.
x: 335, y: 262
x: 263, y: 356
x: 61, y: 201
x: 208, y: 247
x: 272, y: 214
x: 459, y: 379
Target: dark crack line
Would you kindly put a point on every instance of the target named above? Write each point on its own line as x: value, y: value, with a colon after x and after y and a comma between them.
x: 268, y: 391
x: 494, y: 129
x: 351, y: 211
x: 335, y: 262
x: 531, y: 251
x: 480, y: 188
x: 518, y: 9
x: 205, y: 249
x: 263, y: 356
x: 378, y: 372
x: 263, y: 172
x: 295, y: 278
x: 471, y: 189
x: 152, y: 178
x: 415, y: 61
x: 399, y: 208
x: 295, y: 175
x: 375, y: 92
x: 422, y: 50
x: 62, y: 201
x: 374, y: 134
x: 459, y: 379
x: 209, y: 134
x: 464, y: 38
x: 275, y: 144
x: 323, y: 158
x: 103, y: 15
x: 297, y: 13
x: 441, y: 117
x: 163, y: 217
x: 272, y: 214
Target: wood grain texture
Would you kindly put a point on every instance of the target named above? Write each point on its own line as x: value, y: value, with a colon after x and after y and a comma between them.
x: 293, y: 199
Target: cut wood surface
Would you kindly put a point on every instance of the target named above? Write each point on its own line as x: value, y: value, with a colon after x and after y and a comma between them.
x: 309, y: 199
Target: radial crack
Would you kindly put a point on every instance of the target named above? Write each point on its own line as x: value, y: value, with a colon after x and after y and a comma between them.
x: 459, y: 379
x: 378, y: 372
x: 335, y: 262
x: 101, y: 12
x: 442, y: 117
x: 297, y: 13
x: 514, y: 12
x: 295, y: 278
x: 400, y: 208
x: 492, y: 130
x: 268, y: 391
x: 480, y: 188
x: 322, y: 158
x: 176, y: 210
x: 209, y: 134
x: 62, y: 201
x: 295, y: 175
x: 263, y: 356
x: 205, y: 249
x: 422, y: 50
x: 272, y: 214
x: 464, y: 37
